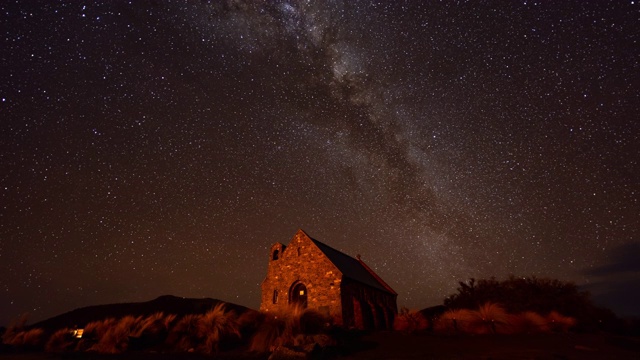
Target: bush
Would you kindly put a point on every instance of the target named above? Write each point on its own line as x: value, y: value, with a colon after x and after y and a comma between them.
x: 539, y: 295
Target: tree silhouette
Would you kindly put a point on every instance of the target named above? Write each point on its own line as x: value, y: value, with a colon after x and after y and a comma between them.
x: 541, y: 295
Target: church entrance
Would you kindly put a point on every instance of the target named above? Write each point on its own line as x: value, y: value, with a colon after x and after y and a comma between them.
x: 298, y: 295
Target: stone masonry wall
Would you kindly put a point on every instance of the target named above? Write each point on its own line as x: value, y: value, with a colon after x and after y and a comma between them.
x: 302, y: 261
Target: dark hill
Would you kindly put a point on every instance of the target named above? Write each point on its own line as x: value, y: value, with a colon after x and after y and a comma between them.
x: 167, y: 304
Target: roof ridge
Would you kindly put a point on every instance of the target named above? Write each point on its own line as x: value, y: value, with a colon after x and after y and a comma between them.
x: 374, y: 281
x: 373, y: 273
x: 331, y: 247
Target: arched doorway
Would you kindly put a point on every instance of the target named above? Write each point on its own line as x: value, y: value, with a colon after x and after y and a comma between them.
x: 298, y: 295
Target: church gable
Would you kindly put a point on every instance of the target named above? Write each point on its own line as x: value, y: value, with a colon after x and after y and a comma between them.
x: 300, y: 273
x: 311, y: 274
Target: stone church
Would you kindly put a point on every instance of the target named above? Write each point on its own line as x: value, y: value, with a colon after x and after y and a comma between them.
x: 313, y: 275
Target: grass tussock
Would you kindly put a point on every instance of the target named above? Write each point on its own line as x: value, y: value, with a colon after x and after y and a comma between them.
x: 410, y: 321
x: 454, y: 321
x: 529, y: 322
x: 491, y: 318
x: 215, y: 327
x: 154, y: 326
x: 205, y: 333
x: 31, y: 339
x: 296, y: 327
x: 60, y: 341
x: 269, y: 335
x: 116, y: 338
x: 93, y: 332
x: 560, y: 323
x: 182, y: 338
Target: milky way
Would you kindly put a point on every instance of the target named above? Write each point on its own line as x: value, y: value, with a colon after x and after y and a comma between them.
x: 158, y: 147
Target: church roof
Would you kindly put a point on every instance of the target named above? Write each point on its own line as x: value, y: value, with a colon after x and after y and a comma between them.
x: 354, y: 269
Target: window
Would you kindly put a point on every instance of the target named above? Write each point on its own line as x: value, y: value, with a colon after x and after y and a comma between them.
x: 275, y: 296
x: 298, y: 251
x: 275, y: 254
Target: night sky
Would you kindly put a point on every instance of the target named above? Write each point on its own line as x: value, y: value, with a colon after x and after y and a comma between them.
x: 156, y: 147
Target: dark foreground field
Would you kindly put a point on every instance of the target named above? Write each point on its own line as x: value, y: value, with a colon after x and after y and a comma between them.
x: 394, y: 345
x: 540, y: 346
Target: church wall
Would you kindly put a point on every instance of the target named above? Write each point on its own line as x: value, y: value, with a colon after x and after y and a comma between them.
x: 366, y: 307
x: 302, y: 261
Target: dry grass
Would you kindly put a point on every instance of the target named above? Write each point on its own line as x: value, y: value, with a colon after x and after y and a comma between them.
x: 560, y: 323
x: 285, y: 327
x: 529, y: 322
x: 454, y: 321
x: 13, y: 333
x: 97, y: 329
x: 181, y: 337
x: 116, y: 338
x: 215, y: 326
x: 154, y: 326
x: 33, y: 338
x: 269, y: 335
x: 249, y: 321
x: 410, y: 321
x: 205, y: 333
x: 490, y: 318
x: 60, y: 341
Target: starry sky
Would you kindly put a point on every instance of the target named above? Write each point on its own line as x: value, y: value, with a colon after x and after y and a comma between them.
x: 161, y: 147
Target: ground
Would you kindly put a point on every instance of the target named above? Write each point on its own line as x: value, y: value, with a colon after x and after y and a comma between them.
x: 394, y: 345
x: 497, y: 347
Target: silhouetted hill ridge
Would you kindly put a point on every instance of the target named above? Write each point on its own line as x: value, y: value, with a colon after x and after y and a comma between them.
x: 167, y: 304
